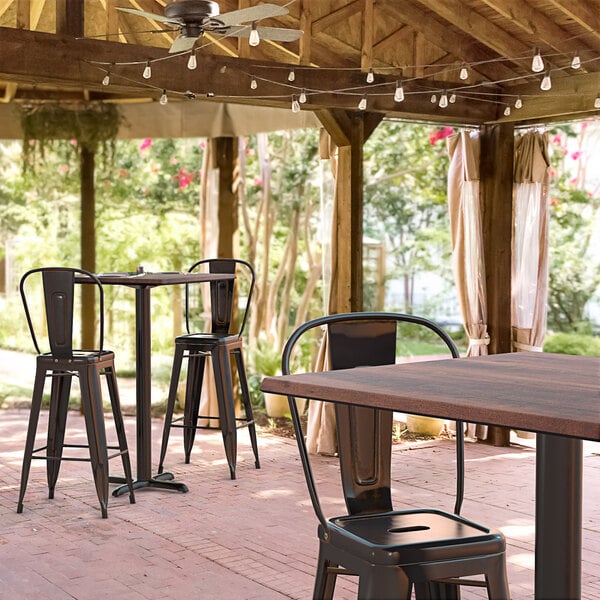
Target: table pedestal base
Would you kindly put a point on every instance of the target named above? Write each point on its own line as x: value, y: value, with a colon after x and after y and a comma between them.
x: 162, y: 482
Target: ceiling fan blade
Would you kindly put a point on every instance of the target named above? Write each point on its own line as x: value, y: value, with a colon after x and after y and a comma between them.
x: 182, y: 44
x: 276, y: 34
x: 149, y: 15
x: 253, y: 13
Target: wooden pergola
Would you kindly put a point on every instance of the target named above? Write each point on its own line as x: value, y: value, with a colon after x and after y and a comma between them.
x: 477, y: 54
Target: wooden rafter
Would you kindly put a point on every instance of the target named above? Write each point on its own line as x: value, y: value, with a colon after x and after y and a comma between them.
x: 585, y: 12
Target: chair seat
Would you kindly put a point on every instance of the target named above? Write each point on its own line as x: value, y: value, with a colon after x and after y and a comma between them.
x: 79, y: 356
x: 207, y: 338
x: 406, y: 537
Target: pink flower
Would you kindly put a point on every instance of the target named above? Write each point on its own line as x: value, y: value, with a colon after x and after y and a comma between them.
x: 552, y: 172
x: 202, y: 144
x: 557, y: 140
x: 576, y: 155
x: 63, y: 168
x: 184, y: 178
x: 554, y: 202
x: 258, y: 181
x: 73, y: 142
x: 147, y: 143
x: 440, y: 134
x: 573, y: 181
x: 123, y: 172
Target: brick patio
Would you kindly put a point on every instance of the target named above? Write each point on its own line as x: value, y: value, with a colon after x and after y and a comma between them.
x: 252, y: 538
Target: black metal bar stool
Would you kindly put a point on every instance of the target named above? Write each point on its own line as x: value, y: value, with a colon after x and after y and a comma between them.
x: 61, y: 364
x: 220, y: 345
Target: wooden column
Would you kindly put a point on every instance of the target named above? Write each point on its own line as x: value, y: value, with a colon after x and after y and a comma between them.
x: 497, y: 150
x: 349, y: 130
x: 88, y: 243
x: 224, y: 154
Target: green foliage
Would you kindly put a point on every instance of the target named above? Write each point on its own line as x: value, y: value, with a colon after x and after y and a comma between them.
x: 573, y: 343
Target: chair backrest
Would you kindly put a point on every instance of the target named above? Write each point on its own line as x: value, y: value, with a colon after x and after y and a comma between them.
x: 364, y: 434
x: 58, y: 284
x: 223, y: 293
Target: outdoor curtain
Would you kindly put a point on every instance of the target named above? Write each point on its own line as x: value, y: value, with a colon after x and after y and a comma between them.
x: 467, y: 245
x: 530, y: 241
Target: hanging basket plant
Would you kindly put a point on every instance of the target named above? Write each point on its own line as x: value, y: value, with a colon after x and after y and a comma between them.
x: 93, y: 126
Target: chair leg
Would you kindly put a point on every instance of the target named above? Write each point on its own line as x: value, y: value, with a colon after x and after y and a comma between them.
x: 115, y: 403
x: 193, y: 393
x: 224, y: 389
x: 383, y: 583
x: 36, y: 405
x: 496, y: 579
x: 57, y: 418
x: 175, y: 373
x: 324, y: 579
x: 239, y: 361
x: 96, y: 434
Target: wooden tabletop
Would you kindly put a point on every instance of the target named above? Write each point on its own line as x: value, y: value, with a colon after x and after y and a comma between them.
x: 161, y: 278
x: 533, y: 391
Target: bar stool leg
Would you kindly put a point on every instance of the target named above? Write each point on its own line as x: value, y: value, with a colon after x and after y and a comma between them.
x: 36, y: 405
x: 224, y: 388
x: 239, y: 361
x: 193, y: 392
x: 175, y: 374
x: 57, y: 418
x: 115, y: 403
x: 94, y: 423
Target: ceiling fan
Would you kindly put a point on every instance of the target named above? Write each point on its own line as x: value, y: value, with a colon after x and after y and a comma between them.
x: 195, y: 17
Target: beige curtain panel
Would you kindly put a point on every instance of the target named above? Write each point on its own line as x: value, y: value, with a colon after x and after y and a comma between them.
x: 530, y: 241
x: 467, y: 245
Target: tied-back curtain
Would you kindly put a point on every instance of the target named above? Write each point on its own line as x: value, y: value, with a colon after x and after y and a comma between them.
x: 467, y: 245
x: 530, y: 241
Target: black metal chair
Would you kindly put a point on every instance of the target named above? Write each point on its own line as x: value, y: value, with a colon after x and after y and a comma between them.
x: 220, y: 344
x: 391, y: 551
x: 61, y: 363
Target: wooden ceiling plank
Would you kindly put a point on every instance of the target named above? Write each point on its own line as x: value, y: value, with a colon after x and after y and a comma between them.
x: 243, y: 45
x: 337, y: 16
x: 23, y: 14
x: 535, y: 22
x: 368, y: 29
x: 306, y: 26
x: 70, y: 18
x: 4, y: 5
x: 37, y: 6
x: 112, y: 19
x: 389, y: 40
x: 585, y: 12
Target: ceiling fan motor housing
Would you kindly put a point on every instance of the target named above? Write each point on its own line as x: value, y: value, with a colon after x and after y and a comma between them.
x: 191, y: 11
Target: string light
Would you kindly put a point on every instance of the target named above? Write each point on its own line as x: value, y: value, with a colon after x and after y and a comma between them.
x: 147, y: 71
x: 253, y: 83
x: 192, y: 63
x: 254, y: 39
x: 507, y: 111
x: 546, y: 82
x: 302, y: 97
x: 443, y: 100
x: 106, y: 80
x: 295, y: 105
x: 362, y: 105
x: 399, y: 93
x: 576, y: 62
x: 597, y: 101
x: 370, y: 76
x: 189, y: 95
x: 452, y: 98
x: 519, y: 102
x: 292, y: 75
x: 537, y: 64
x: 164, y: 99
x: 464, y: 72
x: 433, y: 98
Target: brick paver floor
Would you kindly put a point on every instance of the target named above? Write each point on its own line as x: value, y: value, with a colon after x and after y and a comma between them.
x: 252, y: 538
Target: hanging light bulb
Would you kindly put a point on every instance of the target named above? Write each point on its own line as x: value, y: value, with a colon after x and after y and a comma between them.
x: 452, y: 98
x: 546, y: 82
x: 106, y: 80
x: 519, y: 102
x: 576, y: 62
x: 507, y: 111
x: 464, y: 72
x: 147, y: 71
x: 302, y: 97
x: 370, y: 76
x: 292, y: 75
x: 163, y: 98
x: 253, y: 83
x: 295, y: 105
x: 433, y: 99
x: 254, y: 39
x: 399, y: 93
x: 597, y: 101
x: 443, y: 100
x: 362, y: 105
x: 192, y: 62
x: 537, y: 64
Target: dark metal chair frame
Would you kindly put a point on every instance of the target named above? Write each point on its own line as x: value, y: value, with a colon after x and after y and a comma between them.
x: 220, y: 344
x: 391, y: 551
x: 61, y: 364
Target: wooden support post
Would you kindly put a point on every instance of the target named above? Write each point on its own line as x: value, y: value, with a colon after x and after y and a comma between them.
x: 224, y: 159
x: 88, y: 244
x: 497, y: 156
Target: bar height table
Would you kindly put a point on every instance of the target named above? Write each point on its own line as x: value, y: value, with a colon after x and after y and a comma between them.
x: 143, y: 284
x: 555, y: 395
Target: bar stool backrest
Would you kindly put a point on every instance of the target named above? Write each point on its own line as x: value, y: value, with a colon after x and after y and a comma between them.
x: 58, y: 285
x: 223, y: 294
x: 364, y: 434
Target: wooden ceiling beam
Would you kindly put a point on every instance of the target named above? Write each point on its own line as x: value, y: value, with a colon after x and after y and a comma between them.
x: 585, y: 12
x: 305, y: 57
x: 69, y: 18
x: 368, y: 29
x: 337, y: 16
x: 23, y: 14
